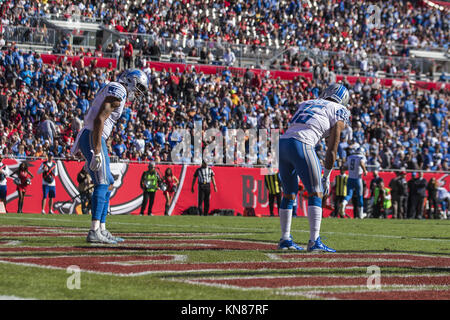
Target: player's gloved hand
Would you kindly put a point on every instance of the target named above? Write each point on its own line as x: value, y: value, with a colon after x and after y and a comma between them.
x: 326, y: 181
x: 96, y: 161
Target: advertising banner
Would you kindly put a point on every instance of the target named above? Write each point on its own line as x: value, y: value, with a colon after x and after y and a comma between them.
x: 288, y: 75
x: 238, y: 188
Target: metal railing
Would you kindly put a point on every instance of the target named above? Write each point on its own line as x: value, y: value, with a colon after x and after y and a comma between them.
x: 36, y: 36
x: 71, y: 17
x: 264, y: 56
x: 246, y: 56
x: 243, y: 53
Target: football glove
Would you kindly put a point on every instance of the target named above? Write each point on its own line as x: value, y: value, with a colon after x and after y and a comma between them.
x: 326, y: 181
x: 96, y: 161
x: 326, y: 185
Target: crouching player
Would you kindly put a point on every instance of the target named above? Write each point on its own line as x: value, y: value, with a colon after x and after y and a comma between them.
x: 325, y: 117
x: 105, y: 110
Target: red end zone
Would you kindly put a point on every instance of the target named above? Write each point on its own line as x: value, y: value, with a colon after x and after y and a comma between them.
x: 426, y: 277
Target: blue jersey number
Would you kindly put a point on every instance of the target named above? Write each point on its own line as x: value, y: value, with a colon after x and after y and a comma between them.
x: 352, y: 164
x: 305, y: 113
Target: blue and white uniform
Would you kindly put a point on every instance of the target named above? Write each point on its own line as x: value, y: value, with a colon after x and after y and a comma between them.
x: 355, y: 172
x: 101, y: 178
x: 84, y: 141
x: 312, y: 122
x: 4, y: 173
x: 131, y: 86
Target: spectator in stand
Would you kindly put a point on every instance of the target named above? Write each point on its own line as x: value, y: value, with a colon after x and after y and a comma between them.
x: 155, y: 51
x: 47, y: 129
x: 128, y: 55
x: 229, y: 58
x: 117, y: 51
x: 55, y: 88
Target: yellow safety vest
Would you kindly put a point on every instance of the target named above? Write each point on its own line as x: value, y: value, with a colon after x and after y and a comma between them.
x: 272, y: 183
x: 341, y: 185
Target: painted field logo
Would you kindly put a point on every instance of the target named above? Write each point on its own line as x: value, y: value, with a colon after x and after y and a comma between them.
x: 168, y: 257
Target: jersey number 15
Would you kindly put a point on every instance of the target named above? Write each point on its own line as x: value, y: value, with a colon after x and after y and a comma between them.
x: 305, y: 113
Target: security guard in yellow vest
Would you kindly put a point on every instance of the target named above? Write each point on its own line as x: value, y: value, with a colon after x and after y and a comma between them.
x: 273, y: 185
x: 150, y: 180
x: 382, y: 200
x: 340, y: 190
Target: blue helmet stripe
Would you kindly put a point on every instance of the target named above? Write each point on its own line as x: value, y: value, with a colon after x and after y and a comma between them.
x: 340, y: 92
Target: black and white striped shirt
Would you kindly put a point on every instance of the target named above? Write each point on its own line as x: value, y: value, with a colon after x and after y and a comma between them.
x: 204, y: 175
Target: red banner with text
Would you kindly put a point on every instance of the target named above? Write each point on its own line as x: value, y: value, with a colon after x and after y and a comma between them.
x: 288, y: 75
x: 100, y: 62
x: 238, y: 188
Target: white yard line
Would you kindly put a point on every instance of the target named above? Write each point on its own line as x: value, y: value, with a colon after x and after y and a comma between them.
x: 240, y: 228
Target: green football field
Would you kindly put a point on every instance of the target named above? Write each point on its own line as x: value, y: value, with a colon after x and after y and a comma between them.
x: 221, y: 258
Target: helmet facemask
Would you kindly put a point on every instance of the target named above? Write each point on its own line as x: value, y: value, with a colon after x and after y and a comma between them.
x: 139, y: 92
x: 135, y: 88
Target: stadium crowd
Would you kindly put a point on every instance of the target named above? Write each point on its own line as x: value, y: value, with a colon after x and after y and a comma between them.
x: 43, y: 108
x: 327, y: 25
x: 341, y: 27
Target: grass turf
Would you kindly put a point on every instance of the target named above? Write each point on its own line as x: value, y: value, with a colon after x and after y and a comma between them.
x: 427, y: 237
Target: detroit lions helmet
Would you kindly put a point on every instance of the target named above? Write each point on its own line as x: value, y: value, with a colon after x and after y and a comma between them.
x: 136, y: 83
x: 337, y: 92
x: 360, y: 151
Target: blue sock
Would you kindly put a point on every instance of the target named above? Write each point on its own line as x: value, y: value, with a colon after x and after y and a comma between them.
x: 286, y: 203
x: 105, y: 209
x: 98, y: 201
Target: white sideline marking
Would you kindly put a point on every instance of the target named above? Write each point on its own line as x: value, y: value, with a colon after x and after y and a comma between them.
x: 247, y: 229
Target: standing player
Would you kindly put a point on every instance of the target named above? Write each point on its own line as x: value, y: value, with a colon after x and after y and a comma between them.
x: 356, y: 165
x: 325, y: 117
x: 105, y: 110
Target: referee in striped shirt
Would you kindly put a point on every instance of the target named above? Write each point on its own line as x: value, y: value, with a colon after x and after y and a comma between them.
x: 205, y: 176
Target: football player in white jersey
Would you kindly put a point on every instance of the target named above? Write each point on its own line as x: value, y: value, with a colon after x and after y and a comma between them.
x: 325, y: 117
x: 356, y: 165
x: 105, y: 110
